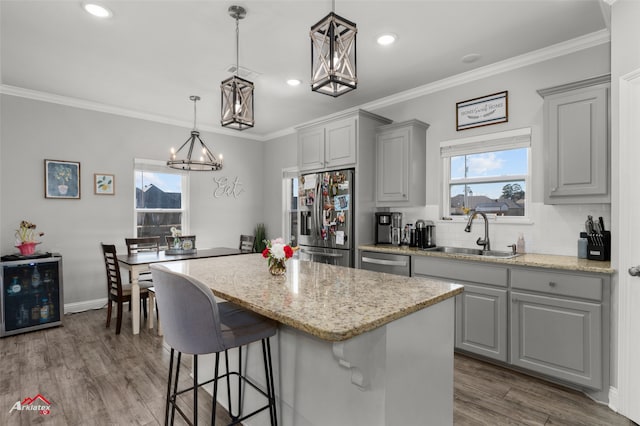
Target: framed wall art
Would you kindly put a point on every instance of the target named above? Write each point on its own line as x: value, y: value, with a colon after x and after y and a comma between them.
x: 104, y: 184
x: 61, y: 179
x: 483, y: 111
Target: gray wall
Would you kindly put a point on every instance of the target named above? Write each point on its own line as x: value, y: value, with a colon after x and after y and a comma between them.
x: 32, y: 131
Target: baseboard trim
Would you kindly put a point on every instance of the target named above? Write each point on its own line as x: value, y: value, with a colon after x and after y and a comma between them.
x: 613, y: 398
x: 74, y: 308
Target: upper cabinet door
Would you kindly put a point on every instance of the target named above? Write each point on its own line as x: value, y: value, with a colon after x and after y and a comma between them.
x: 577, y: 146
x: 401, y: 164
x: 311, y: 149
x: 393, y: 165
x: 340, y: 143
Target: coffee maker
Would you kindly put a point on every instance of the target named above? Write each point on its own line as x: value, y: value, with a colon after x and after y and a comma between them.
x: 425, y: 234
x: 388, y: 228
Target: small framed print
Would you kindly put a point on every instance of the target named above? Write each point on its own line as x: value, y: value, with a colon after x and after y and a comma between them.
x: 61, y: 179
x: 104, y: 184
x: 483, y: 111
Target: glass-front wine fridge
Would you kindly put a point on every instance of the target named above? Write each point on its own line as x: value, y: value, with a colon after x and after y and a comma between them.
x: 31, y: 296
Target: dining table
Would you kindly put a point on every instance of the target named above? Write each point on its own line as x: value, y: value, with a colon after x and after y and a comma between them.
x: 139, y: 263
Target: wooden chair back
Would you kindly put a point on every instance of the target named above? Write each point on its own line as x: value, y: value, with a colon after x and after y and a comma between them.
x: 143, y: 244
x: 246, y: 243
x: 114, y: 280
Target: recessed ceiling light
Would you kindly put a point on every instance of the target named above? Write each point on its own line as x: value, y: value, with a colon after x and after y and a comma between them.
x: 293, y: 82
x: 386, y: 39
x: 97, y: 10
x: 471, y: 57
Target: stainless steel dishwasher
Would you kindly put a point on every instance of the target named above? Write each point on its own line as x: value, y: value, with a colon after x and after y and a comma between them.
x: 398, y: 264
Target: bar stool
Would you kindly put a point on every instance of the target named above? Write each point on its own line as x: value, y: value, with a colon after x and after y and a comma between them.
x: 194, y: 323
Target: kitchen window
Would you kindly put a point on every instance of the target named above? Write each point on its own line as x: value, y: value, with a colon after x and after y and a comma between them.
x: 487, y: 173
x: 160, y: 199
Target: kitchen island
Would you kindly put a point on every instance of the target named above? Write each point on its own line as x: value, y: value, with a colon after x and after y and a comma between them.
x: 354, y: 347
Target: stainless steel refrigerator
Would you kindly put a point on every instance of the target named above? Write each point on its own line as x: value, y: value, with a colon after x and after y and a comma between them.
x: 325, y: 205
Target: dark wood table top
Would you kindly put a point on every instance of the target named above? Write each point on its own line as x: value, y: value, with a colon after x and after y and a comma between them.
x: 149, y: 257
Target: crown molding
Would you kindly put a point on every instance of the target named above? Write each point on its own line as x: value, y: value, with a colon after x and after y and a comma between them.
x: 560, y: 49
x: 108, y: 109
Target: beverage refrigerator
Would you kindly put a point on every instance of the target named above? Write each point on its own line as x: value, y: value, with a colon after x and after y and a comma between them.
x: 325, y: 206
x: 31, y: 296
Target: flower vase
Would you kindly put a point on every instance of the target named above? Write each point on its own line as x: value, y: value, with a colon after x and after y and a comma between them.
x: 278, y: 267
x: 27, y: 248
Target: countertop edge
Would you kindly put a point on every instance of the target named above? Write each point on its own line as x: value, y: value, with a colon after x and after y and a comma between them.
x: 339, y: 336
x: 548, y: 261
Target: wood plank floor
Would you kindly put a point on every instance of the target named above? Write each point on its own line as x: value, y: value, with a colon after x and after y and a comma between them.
x: 93, y: 377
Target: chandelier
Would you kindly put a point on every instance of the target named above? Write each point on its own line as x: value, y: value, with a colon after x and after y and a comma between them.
x: 207, y: 160
x: 333, y: 55
x: 237, y: 93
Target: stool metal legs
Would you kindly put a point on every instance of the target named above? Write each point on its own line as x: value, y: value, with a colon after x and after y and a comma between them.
x: 172, y: 394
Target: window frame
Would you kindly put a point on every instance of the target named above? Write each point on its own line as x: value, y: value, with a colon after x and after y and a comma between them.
x: 492, y: 142
x: 157, y: 166
x: 288, y: 174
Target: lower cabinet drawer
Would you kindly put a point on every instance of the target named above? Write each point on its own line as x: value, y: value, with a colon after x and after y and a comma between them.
x: 558, y: 283
x: 557, y: 337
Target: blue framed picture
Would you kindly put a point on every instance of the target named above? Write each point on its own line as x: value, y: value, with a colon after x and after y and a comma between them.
x: 61, y: 179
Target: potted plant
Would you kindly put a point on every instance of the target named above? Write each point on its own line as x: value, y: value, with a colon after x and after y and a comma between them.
x: 260, y: 232
x: 26, y: 238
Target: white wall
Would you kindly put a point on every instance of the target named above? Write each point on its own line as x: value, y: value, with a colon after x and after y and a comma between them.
x: 32, y: 131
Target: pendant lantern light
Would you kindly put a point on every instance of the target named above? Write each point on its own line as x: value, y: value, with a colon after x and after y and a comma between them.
x: 206, y: 162
x: 333, y: 55
x: 237, y: 93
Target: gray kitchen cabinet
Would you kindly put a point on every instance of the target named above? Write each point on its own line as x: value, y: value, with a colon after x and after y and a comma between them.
x: 333, y: 144
x: 481, y: 321
x: 481, y: 310
x: 576, y: 142
x: 401, y: 164
x: 559, y: 325
x: 546, y: 321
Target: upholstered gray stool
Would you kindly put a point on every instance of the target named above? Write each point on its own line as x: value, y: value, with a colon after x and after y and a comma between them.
x: 194, y: 323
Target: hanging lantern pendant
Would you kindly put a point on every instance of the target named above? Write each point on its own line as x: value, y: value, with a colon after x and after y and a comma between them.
x: 237, y: 93
x: 333, y: 56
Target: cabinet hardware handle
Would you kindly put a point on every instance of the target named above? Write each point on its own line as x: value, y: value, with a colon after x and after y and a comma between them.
x: 634, y: 271
x: 552, y: 284
x: 554, y: 189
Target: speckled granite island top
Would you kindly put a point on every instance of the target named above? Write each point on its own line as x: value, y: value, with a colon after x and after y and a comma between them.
x: 330, y: 302
x: 552, y: 261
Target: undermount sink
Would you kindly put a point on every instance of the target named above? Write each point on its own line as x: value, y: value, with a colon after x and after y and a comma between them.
x: 473, y: 252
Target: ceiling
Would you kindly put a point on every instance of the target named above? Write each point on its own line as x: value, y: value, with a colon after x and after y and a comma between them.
x: 150, y: 56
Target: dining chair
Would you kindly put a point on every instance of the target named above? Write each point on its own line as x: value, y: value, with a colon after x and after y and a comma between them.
x: 246, y: 243
x: 116, y: 290
x: 142, y: 245
x: 170, y: 240
x: 195, y: 323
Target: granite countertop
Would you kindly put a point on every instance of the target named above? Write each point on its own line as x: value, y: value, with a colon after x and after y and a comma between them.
x: 552, y: 261
x: 330, y: 302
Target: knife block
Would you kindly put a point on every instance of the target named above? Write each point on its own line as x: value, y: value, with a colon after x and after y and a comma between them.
x: 599, y: 246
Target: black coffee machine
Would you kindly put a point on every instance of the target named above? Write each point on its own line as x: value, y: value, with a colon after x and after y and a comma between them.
x: 388, y: 227
x: 425, y: 234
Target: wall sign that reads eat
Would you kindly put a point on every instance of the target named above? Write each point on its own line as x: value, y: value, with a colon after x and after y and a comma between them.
x: 225, y: 186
